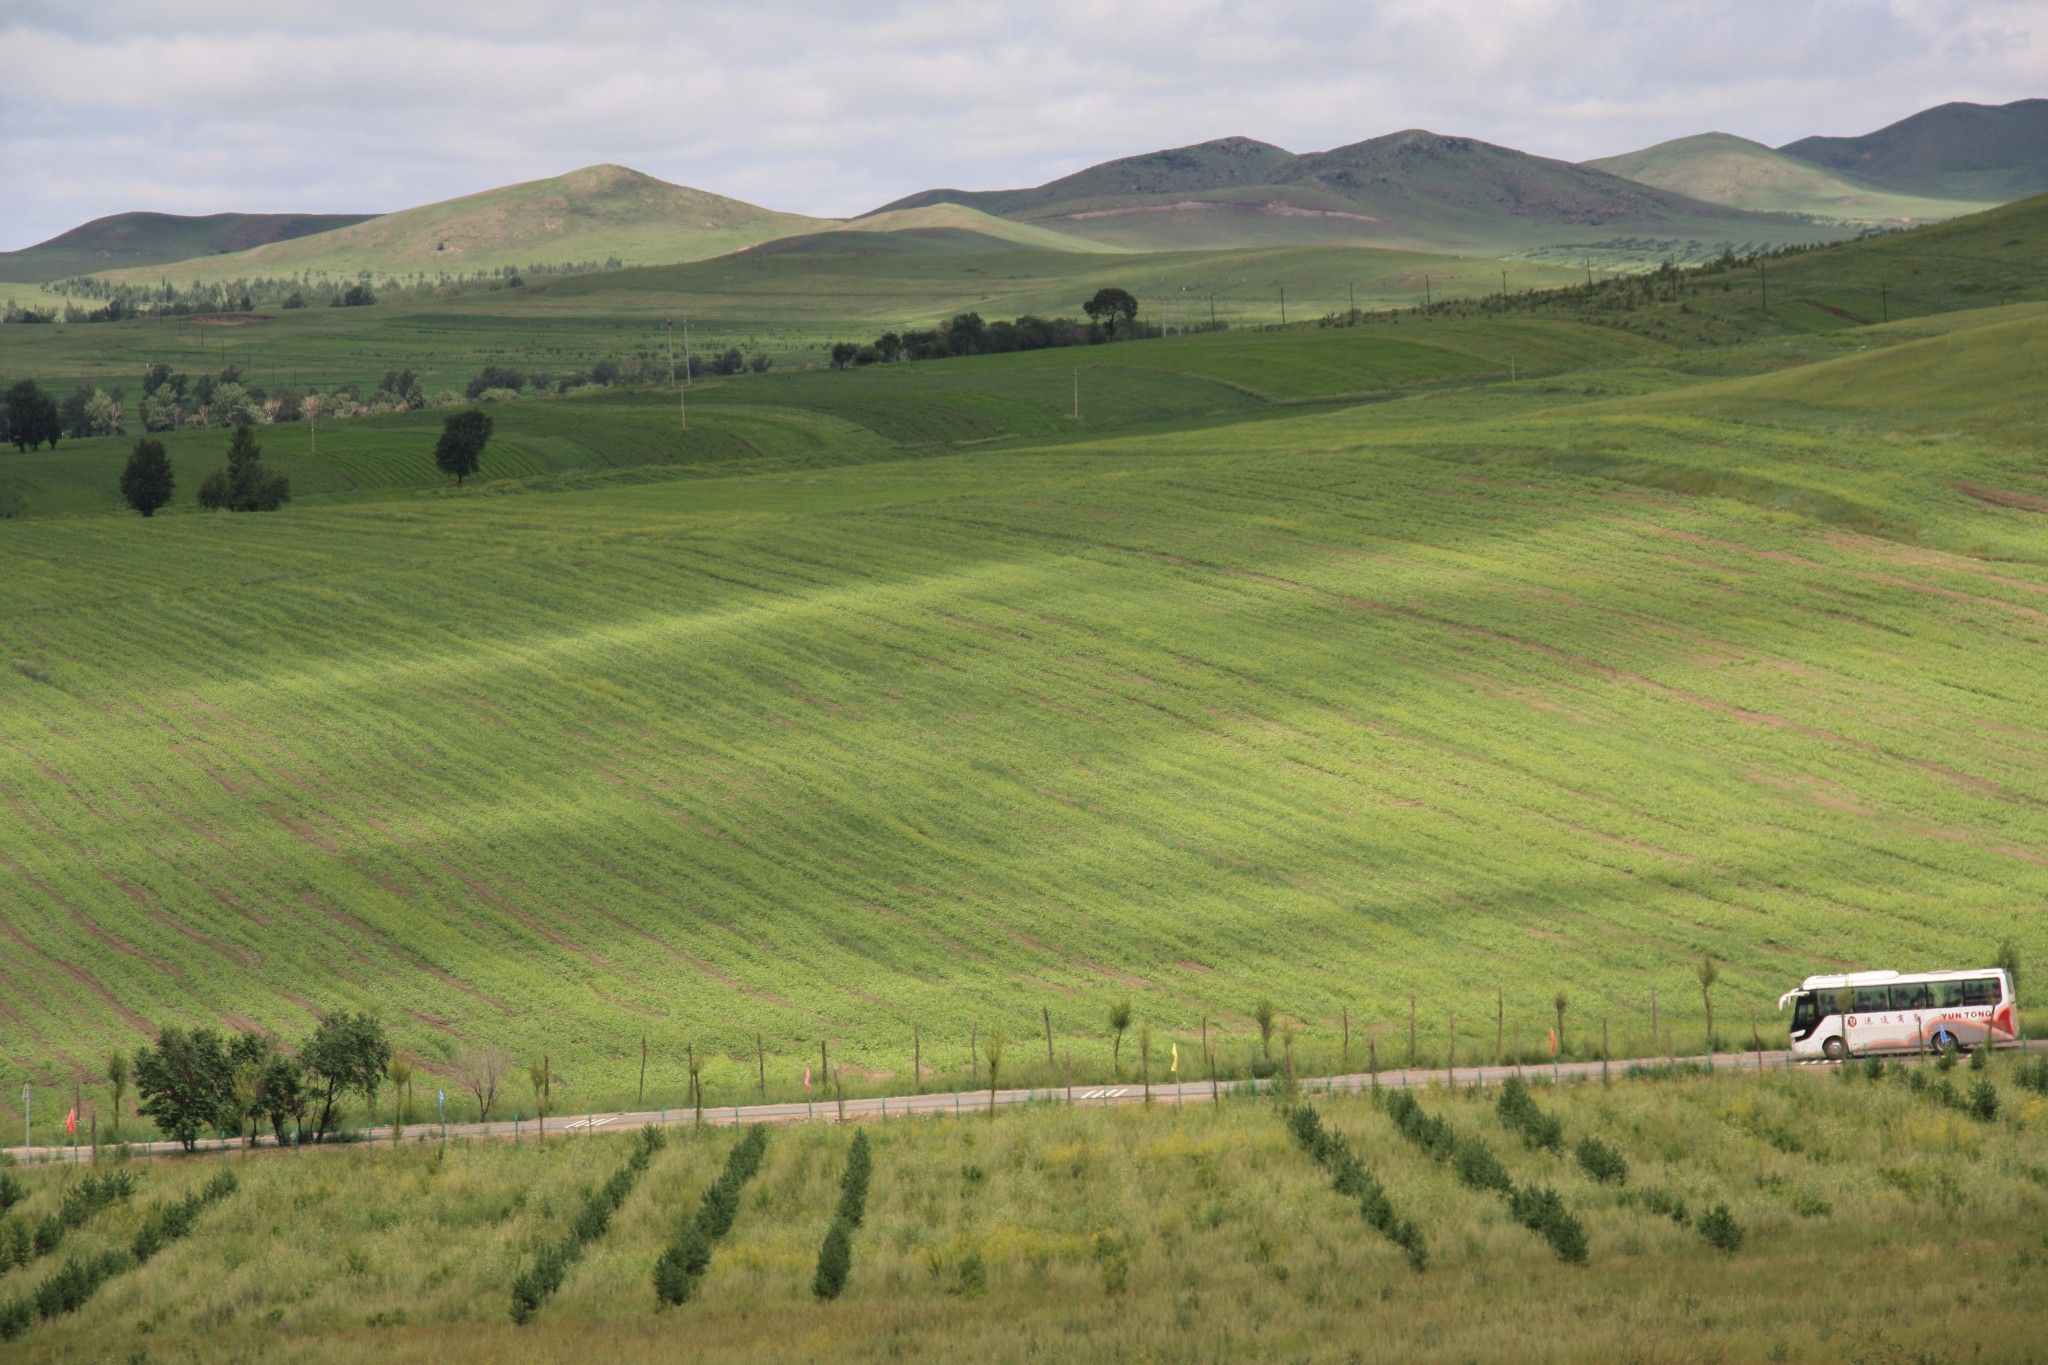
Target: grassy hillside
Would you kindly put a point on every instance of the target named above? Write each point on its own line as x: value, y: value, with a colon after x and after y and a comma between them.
x: 1964, y: 151
x: 1192, y: 1234
x: 592, y: 214
x: 1985, y: 260
x: 1414, y: 190
x: 959, y: 218
x: 789, y: 303
x: 1327, y: 707
x: 808, y: 417
x: 1722, y: 169
x: 130, y: 239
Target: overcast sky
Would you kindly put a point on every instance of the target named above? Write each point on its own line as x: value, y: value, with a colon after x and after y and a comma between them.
x: 833, y: 108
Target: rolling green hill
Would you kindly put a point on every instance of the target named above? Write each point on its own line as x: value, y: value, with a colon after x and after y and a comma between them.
x: 1722, y: 169
x: 1412, y: 189
x: 132, y: 239
x: 1961, y: 151
x: 1327, y: 706
x: 592, y: 214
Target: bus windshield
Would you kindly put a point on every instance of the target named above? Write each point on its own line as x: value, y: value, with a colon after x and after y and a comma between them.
x: 1805, y: 1013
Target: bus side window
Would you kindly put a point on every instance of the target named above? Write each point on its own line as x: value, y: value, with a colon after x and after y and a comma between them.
x: 1914, y: 997
x: 1948, y: 995
x: 1981, y: 991
x: 1871, y: 1000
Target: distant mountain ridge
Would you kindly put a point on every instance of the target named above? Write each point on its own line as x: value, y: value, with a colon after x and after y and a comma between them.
x: 1723, y: 169
x: 593, y: 214
x: 1410, y: 188
x: 1972, y: 151
x: 132, y: 239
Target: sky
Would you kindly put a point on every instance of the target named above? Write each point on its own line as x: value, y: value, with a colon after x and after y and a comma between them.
x: 834, y: 108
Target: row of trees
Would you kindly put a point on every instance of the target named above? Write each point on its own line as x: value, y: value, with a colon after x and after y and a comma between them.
x: 1112, y: 316
x: 32, y: 417
x: 246, y: 484
x: 194, y: 1081
x: 243, y: 295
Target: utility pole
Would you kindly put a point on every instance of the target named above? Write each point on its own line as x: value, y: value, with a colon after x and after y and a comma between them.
x: 1763, y: 279
x: 1212, y: 308
x: 1353, y: 287
x: 688, y: 379
x: 1077, y: 393
x: 1884, y: 295
x: 1503, y: 286
x: 1283, y: 305
x: 1425, y: 291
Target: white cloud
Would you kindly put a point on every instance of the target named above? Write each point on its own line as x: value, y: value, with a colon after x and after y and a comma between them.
x: 833, y: 108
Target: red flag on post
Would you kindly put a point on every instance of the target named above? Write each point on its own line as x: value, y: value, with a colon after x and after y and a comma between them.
x: 1553, y: 1042
x: 71, y: 1121
x: 807, y: 1078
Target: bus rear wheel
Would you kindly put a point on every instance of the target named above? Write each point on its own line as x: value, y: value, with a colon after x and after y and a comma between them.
x: 1835, y: 1050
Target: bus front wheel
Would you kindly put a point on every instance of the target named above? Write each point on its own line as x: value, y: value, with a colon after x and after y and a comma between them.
x: 1835, y: 1050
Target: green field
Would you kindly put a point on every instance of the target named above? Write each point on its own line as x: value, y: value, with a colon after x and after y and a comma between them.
x: 1864, y: 1208
x: 791, y: 304
x: 1331, y: 706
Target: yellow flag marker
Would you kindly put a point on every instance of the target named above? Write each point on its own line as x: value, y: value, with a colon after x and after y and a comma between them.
x: 1175, y: 1068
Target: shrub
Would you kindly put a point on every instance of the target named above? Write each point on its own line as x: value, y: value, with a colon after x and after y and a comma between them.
x: 1543, y: 1212
x: 835, y: 1256
x: 1519, y: 1111
x: 15, y: 1318
x: 1601, y: 1161
x: 1720, y: 1229
x: 688, y: 1255
x: 1983, y: 1101
x: 12, y: 1191
x: 835, y: 1259
x: 1350, y: 1178
x: 534, y: 1285
x: 2030, y: 1075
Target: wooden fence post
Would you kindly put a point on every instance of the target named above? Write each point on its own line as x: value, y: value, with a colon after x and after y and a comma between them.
x: 1604, y: 1052
x: 1046, y: 1010
x: 917, y: 1057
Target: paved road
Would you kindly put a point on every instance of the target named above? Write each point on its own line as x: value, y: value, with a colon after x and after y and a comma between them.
x: 969, y: 1101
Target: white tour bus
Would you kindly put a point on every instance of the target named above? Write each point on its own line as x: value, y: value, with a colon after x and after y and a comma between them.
x: 1901, y: 1012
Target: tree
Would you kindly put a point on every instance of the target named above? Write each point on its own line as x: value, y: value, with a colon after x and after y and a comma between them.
x: 482, y: 1070
x: 245, y: 485
x: 537, y: 1077
x: 1262, y: 1014
x: 1558, y: 1002
x: 1110, y: 304
x: 117, y: 1077
x: 835, y: 1259
x: 1119, y: 1020
x: 400, y: 1072
x: 355, y: 296
x: 2008, y: 958
x: 247, y: 1088
x: 184, y: 1082
x: 146, y: 482
x: 103, y: 415
x: 347, y: 1052
x: 461, y: 447
x: 995, y: 1060
x: 842, y: 352
x: 32, y: 417
x: 160, y: 409
x: 284, y: 1094
x: 1708, y: 974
